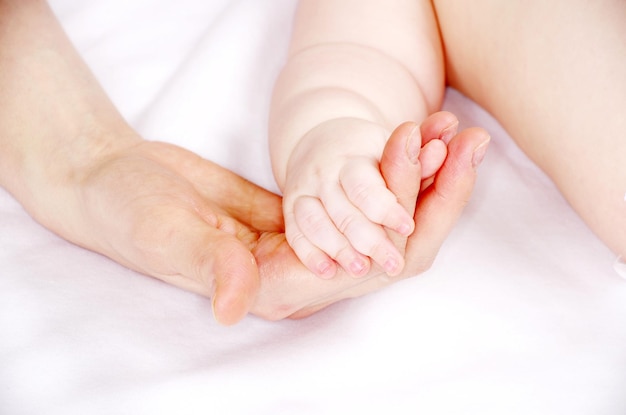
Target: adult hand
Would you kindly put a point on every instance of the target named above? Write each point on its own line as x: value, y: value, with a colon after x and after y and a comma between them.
x: 77, y: 167
x: 166, y: 212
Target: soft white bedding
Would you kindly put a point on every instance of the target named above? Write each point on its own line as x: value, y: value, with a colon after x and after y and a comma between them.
x: 522, y: 312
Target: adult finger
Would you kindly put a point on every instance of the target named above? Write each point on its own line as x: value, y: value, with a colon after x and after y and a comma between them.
x: 209, y: 260
x: 236, y: 280
x: 400, y: 166
x: 441, y: 204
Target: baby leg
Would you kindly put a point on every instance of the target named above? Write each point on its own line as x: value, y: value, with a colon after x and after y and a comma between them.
x: 554, y: 74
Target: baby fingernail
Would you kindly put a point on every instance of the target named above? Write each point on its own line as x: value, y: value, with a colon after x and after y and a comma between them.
x: 479, y: 153
x: 324, y: 269
x: 357, y: 267
x: 414, y: 145
x: 391, y: 266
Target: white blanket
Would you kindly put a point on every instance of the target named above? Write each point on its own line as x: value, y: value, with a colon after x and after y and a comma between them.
x: 522, y: 312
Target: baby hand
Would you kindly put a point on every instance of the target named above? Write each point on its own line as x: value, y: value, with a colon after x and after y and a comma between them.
x: 337, y: 205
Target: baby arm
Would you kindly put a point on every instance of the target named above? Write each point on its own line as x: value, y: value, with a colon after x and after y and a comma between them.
x: 355, y: 71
